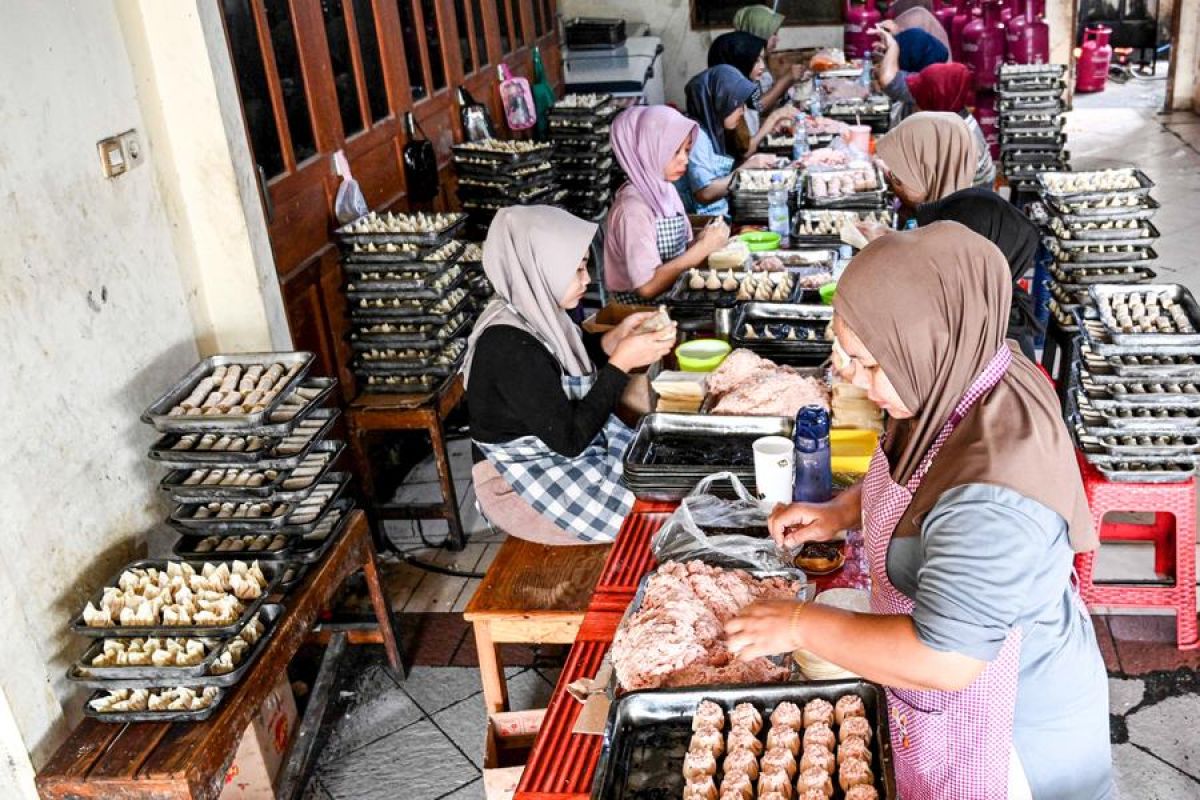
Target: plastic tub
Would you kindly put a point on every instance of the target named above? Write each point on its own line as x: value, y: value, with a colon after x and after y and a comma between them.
x: 701, y: 355
x: 760, y: 240
x: 827, y: 292
x: 852, y: 450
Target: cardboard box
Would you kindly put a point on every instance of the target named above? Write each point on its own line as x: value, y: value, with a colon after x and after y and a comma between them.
x: 610, y: 316
x: 263, y: 748
x: 507, y: 731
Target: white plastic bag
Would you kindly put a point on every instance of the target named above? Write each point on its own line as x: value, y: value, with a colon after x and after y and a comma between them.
x: 349, y: 203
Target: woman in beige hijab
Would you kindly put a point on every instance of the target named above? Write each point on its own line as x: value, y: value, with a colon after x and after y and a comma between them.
x: 971, y: 513
x: 541, y: 393
x: 928, y: 156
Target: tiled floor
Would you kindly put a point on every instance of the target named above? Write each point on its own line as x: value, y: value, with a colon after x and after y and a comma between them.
x: 422, y: 739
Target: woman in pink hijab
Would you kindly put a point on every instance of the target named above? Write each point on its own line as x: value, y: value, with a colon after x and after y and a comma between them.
x: 648, y: 242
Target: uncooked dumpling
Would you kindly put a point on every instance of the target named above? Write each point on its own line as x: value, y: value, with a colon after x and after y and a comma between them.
x: 696, y: 282
x: 713, y: 283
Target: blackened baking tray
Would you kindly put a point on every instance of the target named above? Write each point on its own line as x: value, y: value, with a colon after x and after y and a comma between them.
x: 1142, y: 251
x: 270, y: 572
x: 422, y: 366
x: 648, y: 732
x: 173, y: 484
x: 1096, y: 337
x: 785, y: 315
x: 296, y: 549
x: 410, y: 310
x: 282, y: 427
x: 122, y: 717
x: 1083, y: 276
x: 1070, y: 213
x: 429, y: 238
x: 874, y: 199
x: 1144, y: 367
x: 452, y: 277
x: 266, y: 457
x: 1143, y: 470
x: 1110, y: 236
x: 196, y: 675
x: 1086, y: 196
x: 537, y: 153
x: 401, y: 385
x: 1156, y: 446
x: 1021, y: 72
x: 682, y: 295
x: 1013, y: 122
x: 158, y: 412
x: 1031, y: 105
x: 421, y: 266
x: 365, y: 260
x: 429, y: 337
x: 1038, y: 139
x: 604, y: 101
x: 1102, y: 395
x: 1140, y: 418
x: 809, y: 214
x: 281, y: 524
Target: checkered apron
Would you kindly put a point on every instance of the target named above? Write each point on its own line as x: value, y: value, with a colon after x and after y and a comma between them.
x: 947, y: 745
x: 671, y: 238
x: 582, y: 495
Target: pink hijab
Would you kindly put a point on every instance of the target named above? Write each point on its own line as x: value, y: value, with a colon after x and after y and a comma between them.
x: 919, y: 17
x: 645, y: 139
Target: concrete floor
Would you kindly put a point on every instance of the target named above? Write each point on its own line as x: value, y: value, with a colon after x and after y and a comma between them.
x: 422, y: 740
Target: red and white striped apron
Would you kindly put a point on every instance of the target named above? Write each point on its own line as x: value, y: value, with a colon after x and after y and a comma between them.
x: 946, y: 745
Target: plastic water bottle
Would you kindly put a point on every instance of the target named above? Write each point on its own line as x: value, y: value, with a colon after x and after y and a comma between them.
x: 814, y: 468
x: 779, y: 216
x: 814, y: 100
x: 800, y: 142
x: 864, y: 77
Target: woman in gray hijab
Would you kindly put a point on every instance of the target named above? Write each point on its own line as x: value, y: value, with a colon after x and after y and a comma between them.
x: 541, y: 392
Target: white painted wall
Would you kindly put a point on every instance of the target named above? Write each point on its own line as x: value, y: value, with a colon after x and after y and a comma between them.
x: 685, y: 51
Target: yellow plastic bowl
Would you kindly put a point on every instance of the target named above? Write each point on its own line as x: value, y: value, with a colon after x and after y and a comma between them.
x: 758, y: 241
x: 851, y: 450
x: 701, y: 355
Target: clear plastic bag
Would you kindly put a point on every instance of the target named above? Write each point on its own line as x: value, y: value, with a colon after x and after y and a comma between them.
x: 686, y: 534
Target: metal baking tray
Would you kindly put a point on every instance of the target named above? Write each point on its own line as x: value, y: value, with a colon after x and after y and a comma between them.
x: 429, y: 238
x: 428, y: 337
x: 405, y: 254
x: 282, y: 524
x: 270, y: 572
x: 1016, y: 72
x: 1143, y: 470
x: 426, y: 267
x: 876, y: 198
x: 157, y: 414
x: 266, y: 457
x: 525, y: 195
x: 400, y: 384
x: 1179, y: 294
x: 1100, y: 394
x: 1096, y: 337
x: 1136, y: 418
x: 414, y: 367
x: 1014, y: 122
x: 411, y: 310
x: 1143, y: 188
x: 1038, y: 140
x: 647, y: 733
x: 407, y: 290
x: 294, y: 550
x: 1081, y: 277
x: 1147, y: 367
x: 174, y: 487
x: 1071, y: 213
x: 83, y: 673
x: 1019, y: 92
x: 122, y: 717
x: 653, y: 427
x: 1160, y: 446
x: 560, y: 110
x: 1040, y: 105
x: 1109, y: 236
x: 1142, y: 252
x: 806, y: 215
x: 790, y: 315
x: 682, y: 295
x: 282, y: 427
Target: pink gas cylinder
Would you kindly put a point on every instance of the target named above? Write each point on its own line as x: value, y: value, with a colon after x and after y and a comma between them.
x: 983, y: 45
x: 1009, y: 9
x: 988, y: 117
x: 945, y: 14
x: 1091, y: 72
x: 964, y: 14
x: 1027, y: 38
x: 861, y: 19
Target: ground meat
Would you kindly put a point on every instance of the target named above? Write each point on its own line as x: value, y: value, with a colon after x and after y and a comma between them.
x: 746, y: 384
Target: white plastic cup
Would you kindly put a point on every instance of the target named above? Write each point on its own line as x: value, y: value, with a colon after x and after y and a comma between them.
x: 774, y: 460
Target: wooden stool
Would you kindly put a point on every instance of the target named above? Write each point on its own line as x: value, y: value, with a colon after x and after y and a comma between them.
x: 382, y: 413
x: 532, y: 594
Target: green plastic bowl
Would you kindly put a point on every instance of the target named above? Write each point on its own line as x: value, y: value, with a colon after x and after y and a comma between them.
x: 758, y: 241
x: 701, y: 355
x: 827, y: 292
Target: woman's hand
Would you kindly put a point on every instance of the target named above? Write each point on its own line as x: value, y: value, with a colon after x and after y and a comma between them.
x: 627, y: 326
x: 713, y: 237
x: 765, y: 629
x: 794, y: 524
x: 643, y: 349
x: 781, y: 118
x: 760, y: 161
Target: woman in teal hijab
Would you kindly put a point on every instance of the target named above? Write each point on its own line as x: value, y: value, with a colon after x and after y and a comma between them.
x: 765, y: 24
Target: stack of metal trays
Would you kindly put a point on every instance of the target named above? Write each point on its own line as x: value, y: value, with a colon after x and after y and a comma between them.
x: 1031, y: 121
x: 750, y: 188
x: 579, y: 129
x: 823, y: 226
x: 867, y: 190
x: 412, y: 294
x: 797, y: 335
x: 671, y: 453
x: 494, y: 174
x: 874, y: 110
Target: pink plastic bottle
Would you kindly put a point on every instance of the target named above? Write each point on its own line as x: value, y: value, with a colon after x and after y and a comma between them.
x: 861, y: 19
x: 1027, y: 39
x: 945, y: 14
x: 1091, y: 73
x: 964, y: 14
x: 983, y: 45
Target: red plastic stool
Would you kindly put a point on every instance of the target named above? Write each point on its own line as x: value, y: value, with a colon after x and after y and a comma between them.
x: 1173, y: 533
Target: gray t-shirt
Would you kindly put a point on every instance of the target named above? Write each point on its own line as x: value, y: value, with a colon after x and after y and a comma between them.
x: 989, y: 559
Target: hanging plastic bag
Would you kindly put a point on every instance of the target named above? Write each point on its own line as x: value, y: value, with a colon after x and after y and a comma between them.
x: 517, y: 99
x: 474, y: 117
x: 697, y: 530
x: 349, y: 203
x: 420, y: 163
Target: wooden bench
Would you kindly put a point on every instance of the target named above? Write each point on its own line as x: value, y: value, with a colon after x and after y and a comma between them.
x: 532, y: 594
x: 370, y: 414
x: 189, y: 760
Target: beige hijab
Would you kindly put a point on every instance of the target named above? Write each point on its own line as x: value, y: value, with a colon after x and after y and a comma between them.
x: 931, y: 151
x: 530, y: 256
x: 931, y: 305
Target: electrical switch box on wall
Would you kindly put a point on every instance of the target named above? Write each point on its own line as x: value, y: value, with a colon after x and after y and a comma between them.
x: 120, y: 153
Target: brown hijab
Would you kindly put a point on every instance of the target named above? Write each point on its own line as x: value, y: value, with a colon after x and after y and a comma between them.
x: 931, y: 305
x: 931, y: 151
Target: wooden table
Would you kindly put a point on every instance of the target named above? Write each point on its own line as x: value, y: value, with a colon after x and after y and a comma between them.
x: 189, y: 760
x: 532, y: 594
x: 375, y: 413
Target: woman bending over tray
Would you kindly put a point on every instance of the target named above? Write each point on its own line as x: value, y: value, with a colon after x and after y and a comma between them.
x: 541, y: 393
x: 971, y: 513
x: 928, y: 156
x: 649, y: 240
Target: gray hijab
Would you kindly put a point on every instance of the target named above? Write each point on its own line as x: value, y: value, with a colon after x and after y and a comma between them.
x: 530, y: 256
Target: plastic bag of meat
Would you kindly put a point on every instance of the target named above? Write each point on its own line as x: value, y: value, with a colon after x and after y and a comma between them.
x: 719, y: 530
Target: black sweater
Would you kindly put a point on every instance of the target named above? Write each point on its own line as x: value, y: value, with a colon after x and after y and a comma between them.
x: 515, y: 389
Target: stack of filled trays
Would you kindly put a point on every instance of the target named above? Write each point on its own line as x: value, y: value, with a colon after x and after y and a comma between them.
x: 472, y: 263
x: 409, y: 297
x: 496, y: 173
x: 860, y: 185
x: 579, y: 129
x: 1031, y: 121
x: 1134, y: 400
x: 1099, y: 232
x: 750, y: 188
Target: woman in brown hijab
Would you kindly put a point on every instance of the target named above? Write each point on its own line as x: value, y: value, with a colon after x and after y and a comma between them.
x: 971, y: 513
x: 928, y: 156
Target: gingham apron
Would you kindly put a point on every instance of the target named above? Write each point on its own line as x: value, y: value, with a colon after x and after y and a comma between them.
x: 947, y: 745
x: 670, y: 237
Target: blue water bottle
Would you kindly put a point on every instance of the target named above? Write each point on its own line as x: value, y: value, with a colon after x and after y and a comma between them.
x: 814, y: 468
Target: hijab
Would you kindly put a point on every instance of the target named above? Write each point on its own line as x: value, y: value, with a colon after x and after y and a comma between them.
x: 933, y: 327
x: 737, y: 49
x: 922, y: 18
x: 1004, y: 225
x: 645, y: 139
x: 758, y: 20
x: 941, y: 87
x: 900, y: 6
x: 713, y: 95
x: 931, y: 151
x: 530, y: 256
x: 919, y: 49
